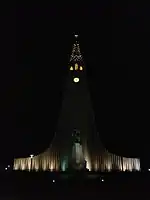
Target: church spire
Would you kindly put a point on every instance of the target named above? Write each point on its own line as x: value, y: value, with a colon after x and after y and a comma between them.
x: 76, y: 54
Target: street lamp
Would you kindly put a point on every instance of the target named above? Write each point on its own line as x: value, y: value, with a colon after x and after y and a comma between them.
x: 31, y: 156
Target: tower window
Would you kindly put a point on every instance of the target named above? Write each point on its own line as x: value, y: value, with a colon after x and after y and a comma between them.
x: 71, y: 68
x: 81, y: 68
x: 76, y: 66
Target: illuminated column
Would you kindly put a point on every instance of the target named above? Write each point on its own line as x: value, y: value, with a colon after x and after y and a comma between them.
x: 40, y: 163
x: 120, y: 165
x: 52, y: 161
x: 20, y: 164
x: 23, y: 165
x: 57, y: 164
x: 55, y: 160
x: 118, y: 162
x: 46, y: 159
x: 44, y: 163
x: 36, y: 164
x: 100, y: 162
x: 31, y: 156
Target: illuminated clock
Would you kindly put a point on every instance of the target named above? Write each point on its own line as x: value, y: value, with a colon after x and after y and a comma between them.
x: 76, y: 79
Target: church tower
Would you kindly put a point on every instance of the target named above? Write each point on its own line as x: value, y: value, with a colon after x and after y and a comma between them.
x: 76, y: 115
x: 76, y: 112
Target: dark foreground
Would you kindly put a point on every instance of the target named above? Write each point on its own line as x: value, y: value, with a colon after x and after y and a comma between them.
x: 24, y: 185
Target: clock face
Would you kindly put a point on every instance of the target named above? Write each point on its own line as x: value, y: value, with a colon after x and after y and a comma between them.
x: 76, y: 79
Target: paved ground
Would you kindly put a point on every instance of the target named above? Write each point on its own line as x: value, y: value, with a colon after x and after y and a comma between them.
x: 43, y: 188
x: 78, y: 192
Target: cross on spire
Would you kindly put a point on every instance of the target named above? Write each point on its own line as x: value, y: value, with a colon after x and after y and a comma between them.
x: 76, y: 36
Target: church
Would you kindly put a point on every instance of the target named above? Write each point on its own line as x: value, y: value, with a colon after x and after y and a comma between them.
x: 76, y: 144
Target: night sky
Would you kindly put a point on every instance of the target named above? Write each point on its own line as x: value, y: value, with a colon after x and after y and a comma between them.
x: 36, y: 43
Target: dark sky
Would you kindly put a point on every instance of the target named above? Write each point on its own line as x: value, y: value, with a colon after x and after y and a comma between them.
x: 36, y: 43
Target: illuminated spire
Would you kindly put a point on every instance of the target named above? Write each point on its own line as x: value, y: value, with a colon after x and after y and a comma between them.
x: 76, y: 54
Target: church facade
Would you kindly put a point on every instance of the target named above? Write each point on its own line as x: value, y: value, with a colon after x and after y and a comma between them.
x: 77, y: 116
